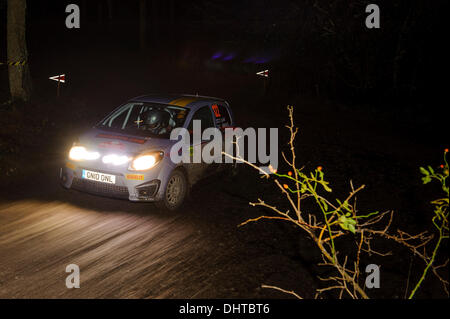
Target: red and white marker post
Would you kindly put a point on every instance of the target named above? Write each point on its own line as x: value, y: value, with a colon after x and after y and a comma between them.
x: 59, y: 78
x: 264, y: 74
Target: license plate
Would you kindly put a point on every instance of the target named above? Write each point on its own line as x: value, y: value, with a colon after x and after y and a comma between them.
x: 99, y: 177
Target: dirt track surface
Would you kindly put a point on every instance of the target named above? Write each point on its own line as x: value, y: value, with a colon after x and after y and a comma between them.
x: 119, y: 253
x: 132, y: 250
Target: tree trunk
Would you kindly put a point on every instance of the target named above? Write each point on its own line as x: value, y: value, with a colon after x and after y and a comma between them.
x: 19, y: 73
x: 172, y: 18
x: 400, y: 51
x: 110, y: 9
x: 109, y: 5
x: 142, y: 24
x: 100, y: 13
x: 84, y: 10
x: 155, y: 22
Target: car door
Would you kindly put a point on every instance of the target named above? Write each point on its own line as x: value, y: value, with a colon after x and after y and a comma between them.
x: 223, y: 119
x: 205, y: 115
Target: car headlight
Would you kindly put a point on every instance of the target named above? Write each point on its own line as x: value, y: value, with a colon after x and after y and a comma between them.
x: 115, y: 159
x: 146, y: 161
x: 79, y: 153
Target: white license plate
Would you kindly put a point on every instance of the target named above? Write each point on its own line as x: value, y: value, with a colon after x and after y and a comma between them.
x: 99, y: 177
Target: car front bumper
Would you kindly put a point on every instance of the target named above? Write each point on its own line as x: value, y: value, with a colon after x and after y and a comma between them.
x: 135, y: 186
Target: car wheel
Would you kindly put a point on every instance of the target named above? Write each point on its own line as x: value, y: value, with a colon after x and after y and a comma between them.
x: 175, y: 192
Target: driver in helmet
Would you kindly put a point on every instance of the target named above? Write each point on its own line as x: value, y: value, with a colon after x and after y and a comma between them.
x: 157, y: 121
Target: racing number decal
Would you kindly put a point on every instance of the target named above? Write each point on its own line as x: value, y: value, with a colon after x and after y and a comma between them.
x: 216, y: 110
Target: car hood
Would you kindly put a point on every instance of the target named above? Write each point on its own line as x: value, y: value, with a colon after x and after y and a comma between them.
x: 110, y: 141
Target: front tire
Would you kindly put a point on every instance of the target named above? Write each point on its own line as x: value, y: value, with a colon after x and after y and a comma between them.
x: 175, y: 192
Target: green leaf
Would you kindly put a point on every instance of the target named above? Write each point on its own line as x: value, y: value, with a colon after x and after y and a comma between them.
x: 325, y: 206
x: 324, y: 184
x: 426, y: 179
x: 321, y: 175
x: 343, y: 222
x: 424, y: 171
x: 346, y: 205
x: 303, y: 188
x: 347, y: 223
x: 351, y: 228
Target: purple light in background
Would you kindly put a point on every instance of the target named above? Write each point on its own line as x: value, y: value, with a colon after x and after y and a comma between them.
x: 261, y: 60
x: 257, y: 60
x: 216, y: 55
x: 229, y: 57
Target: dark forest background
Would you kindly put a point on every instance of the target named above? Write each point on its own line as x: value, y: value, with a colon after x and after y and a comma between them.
x: 311, y: 47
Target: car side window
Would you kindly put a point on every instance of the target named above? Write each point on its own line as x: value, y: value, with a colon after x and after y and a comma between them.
x: 222, y: 116
x: 204, y: 115
x: 122, y: 117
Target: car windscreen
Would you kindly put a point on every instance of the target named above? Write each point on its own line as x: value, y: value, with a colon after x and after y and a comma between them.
x: 145, y: 119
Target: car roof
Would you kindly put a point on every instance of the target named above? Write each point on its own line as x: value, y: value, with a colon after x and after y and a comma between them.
x: 184, y: 100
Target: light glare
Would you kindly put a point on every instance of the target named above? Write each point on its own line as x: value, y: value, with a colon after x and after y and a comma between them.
x: 78, y: 153
x: 115, y: 159
x: 144, y: 162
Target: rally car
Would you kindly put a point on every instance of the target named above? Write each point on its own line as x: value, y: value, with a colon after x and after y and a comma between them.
x: 127, y: 154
